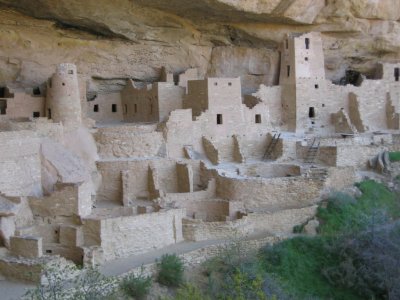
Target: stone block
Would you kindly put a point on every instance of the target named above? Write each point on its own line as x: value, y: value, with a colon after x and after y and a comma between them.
x: 26, y: 246
x: 71, y: 236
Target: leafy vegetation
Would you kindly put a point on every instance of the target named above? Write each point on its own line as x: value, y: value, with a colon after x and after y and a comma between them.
x: 235, y: 274
x: 394, y: 156
x: 137, y: 286
x: 188, y: 291
x: 170, y: 270
x: 356, y: 255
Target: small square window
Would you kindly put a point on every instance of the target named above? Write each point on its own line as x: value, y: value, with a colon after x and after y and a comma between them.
x: 36, y: 114
x: 219, y: 119
x: 114, y: 108
x: 229, y: 83
x: 323, y: 105
x: 306, y: 58
x: 96, y: 108
x: 316, y: 86
x: 36, y: 91
x: 258, y: 118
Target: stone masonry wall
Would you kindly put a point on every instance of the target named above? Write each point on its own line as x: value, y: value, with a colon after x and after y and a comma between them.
x: 124, y: 236
x: 20, y: 167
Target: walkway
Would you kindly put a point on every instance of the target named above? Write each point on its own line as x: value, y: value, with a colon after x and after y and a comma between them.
x: 14, y: 290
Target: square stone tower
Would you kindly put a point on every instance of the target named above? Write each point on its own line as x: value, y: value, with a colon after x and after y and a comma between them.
x: 303, y: 82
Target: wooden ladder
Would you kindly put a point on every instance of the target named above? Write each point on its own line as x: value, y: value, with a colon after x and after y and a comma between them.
x: 312, y: 151
x: 271, y: 146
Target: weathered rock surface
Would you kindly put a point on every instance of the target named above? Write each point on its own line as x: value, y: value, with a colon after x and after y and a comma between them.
x: 114, y: 40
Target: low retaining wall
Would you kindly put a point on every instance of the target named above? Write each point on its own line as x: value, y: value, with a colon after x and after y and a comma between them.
x: 281, y: 222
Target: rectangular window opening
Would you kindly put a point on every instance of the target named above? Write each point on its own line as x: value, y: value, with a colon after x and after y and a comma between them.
x: 36, y: 114
x: 311, y: 112
x: 135, y: 108
x: 396, y: 74
x: 316, y: 86
x: 126, y: 108
x: 36, y: 91
x: 3, y: 107
x: 288, y: 71
x: 219, y: 119
x: 306, y: 58
x: 49, y: 113
x: 70, y: 72
x: 307, y: 43
x: 96, y: 108
x: 114, y: 108
x: 287, y: 44
x: 258, y: 118
x: 151, y: 109
x: 2, y: 92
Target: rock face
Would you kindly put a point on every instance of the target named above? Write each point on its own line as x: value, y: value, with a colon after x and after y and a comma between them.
x: 110, y: 41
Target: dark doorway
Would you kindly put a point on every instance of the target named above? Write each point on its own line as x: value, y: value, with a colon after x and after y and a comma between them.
x: 311, y: 112
x: 258, y: 118
x: 96, y: 108
x: 49, y: 113
x: 36, y: 114
x: 114, y: 108
x: 396, y: 74
x: 288, y: 71
x: 219, y: 119
x: 3, y: 107
x: 2, y: 92
x: 36, y: 91
x: 307, y: 43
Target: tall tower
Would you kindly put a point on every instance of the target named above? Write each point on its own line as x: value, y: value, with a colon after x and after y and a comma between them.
x: 302, y: 78
x: 302, y: 57
x: 63, y: 103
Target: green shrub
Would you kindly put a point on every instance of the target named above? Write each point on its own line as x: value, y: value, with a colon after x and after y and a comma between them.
x: 394, y: 156
x: 356, y: 255
x: 137, y: 286
x: 189, y: 291
x: 298, y: 228
x: 170, y: 270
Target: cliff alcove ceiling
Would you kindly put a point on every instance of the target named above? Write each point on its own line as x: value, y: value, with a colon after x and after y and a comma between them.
x: 111, y: 41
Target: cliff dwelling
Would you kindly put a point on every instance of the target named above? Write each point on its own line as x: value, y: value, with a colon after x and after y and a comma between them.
x: 93, y: 177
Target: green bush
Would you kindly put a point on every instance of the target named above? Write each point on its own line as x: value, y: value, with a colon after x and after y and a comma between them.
x: 170, y: 270
x: 189, y: 292
x: 137, y: 286
x: 355, y: 256
x: 394, y: 156
x: 298, y: 228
